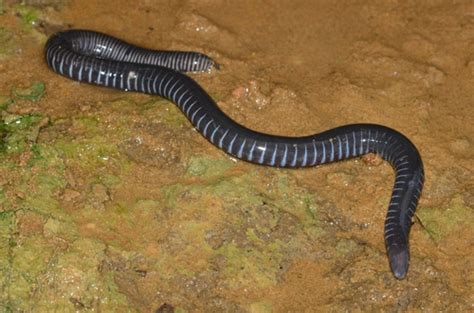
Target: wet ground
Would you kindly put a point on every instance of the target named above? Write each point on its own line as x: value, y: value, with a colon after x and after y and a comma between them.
x: 110, y: 201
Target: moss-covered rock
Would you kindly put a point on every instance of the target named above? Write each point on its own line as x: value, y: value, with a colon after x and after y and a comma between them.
x: 440, y: 222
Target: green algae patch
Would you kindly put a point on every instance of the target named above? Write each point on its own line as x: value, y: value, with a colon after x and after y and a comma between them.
x: 27, y: 267
x: 247, y: 191
x: 110, y: 181
x: 32, y: 93
x: 86, y: 125
x: 43, y: 203
x: 3, y: 196
x: 78, y: 281
x: 156, y: 110
x: 261, y: 307
x: 250, y: 213
x: 62, y: 273
x: 206, y: 166
x: 7, y: 220
x: 46, y: 156
x: 8, y: 45
x: 43, y: 181
x: 89, y: 152
x: 345, y: 247
x: 27, y: 258
x: 17, y: 125
x: 215, y: 213
x: 91, y: 145
x: 247, y: 266
x: 439, y: 222
x: 38, y: 238
x: 296, y: 201
x: 19, y: 132
x: 28, y: 244
x: 60, y: 228
x: 165, y: 112
x: 5, y: 102
x: 29, y: 15
x: 29, y: 19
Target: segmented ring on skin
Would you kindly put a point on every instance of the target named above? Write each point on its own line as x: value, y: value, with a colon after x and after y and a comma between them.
x: 99, y: 59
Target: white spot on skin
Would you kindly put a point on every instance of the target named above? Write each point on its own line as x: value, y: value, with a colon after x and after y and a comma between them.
x: 132, y: 75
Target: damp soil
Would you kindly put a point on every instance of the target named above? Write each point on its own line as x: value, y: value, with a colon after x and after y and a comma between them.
x: 110, y: 201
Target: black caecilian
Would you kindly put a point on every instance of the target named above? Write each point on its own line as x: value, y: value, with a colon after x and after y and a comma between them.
x: 100, y: 59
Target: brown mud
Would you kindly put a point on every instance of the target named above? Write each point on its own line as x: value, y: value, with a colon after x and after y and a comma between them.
x: 110, y: 201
